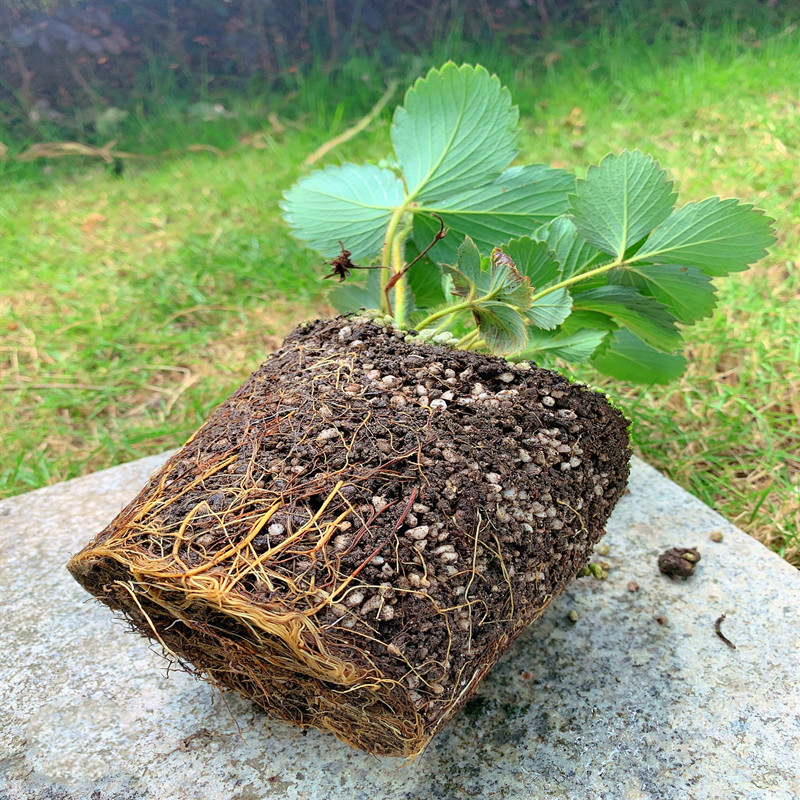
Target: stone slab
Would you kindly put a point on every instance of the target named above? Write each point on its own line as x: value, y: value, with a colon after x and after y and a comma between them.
x: 614, y: 706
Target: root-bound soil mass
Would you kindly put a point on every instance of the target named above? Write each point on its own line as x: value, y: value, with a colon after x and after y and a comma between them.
x: 360, y: 531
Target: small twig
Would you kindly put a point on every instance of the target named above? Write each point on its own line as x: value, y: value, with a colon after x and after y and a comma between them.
x: 359, y: 535
x: 718, y: 631
x: 383, y: 544
x: 438, y: 236
x: 202, y: 732
x: 410, y: 503
x: 324, y: 149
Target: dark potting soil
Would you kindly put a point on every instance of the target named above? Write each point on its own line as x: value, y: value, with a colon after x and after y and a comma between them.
x: 358, y: 533
x: 678, y: 562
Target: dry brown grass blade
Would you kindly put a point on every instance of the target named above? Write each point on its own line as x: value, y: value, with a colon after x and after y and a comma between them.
x: 62, y: 149
x: 352, y: 131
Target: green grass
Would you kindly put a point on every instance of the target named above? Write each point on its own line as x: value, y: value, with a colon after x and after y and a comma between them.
x: 132, y: 305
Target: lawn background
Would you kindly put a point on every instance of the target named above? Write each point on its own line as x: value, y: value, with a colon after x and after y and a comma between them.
x: 131, y: 304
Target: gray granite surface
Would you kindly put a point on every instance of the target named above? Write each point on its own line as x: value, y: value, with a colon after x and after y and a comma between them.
x: 615, y: 705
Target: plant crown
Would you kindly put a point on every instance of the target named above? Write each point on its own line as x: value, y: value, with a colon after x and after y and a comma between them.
x: 536, y: 264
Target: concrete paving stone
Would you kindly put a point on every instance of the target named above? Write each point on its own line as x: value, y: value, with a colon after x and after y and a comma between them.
x: 638, y: 699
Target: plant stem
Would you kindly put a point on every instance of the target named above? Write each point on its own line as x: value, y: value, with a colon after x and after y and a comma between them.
x: 399, y: 269
x: 472, y: 339
x: 443, y: 313
x: 468, y: 340
x: 443, y: 325
x: 577, y: 279
x: 400, y: 286
x: 388, y: 252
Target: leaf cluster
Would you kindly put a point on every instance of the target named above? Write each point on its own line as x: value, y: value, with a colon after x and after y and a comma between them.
x: 537, y: 264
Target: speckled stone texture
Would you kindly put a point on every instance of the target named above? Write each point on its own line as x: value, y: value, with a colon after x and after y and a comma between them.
x: 615, y: 705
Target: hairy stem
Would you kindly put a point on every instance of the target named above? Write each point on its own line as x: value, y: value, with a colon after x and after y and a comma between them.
x: 473, y: 340
x: 443, y: 325
x: 465, y: 342
x: 387, y: 254
x: 443, y: 313
x: 399, y: 269
x: 577, y: 279
x: 401, y: 285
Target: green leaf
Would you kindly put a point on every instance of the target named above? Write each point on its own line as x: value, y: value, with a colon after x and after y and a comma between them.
x: 718, y: 236
x: 621, y: 200
x: 449, y: 289
x: 686, y: 292
x: 349, y: 203
x: 644, y: 316
x: 455, y: 284
x: 534, y: 260
x: 351, y: 296
x: 503, y: 282
x: 572, y: 251
x: 580, y: 319
x: 628, y: 358
x: 457, y: 129
x: 574, y: 347
x: 510, y: 206
x: 469, y: 261
x: 424, y: 280
x: 502, y: 327
x: 550, y: 311
x: 466, y: 275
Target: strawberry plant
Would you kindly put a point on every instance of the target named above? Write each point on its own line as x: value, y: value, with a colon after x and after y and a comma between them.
x: 536, y: 264
x: 358, y: 533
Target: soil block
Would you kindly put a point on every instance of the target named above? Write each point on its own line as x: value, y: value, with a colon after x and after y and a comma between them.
x: 358, y: 533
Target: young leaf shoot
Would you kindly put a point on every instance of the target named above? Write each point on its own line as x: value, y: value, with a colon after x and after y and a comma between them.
x: 522, y: 261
